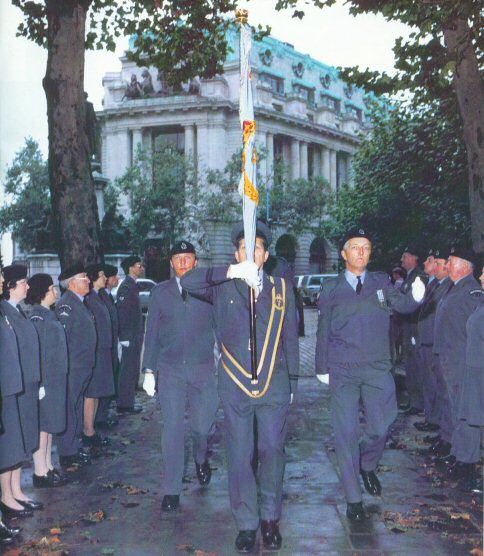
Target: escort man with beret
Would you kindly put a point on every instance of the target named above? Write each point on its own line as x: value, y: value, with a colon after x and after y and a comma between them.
x: 81, y: 338
x: 353, y: 347
x: 179, y: 355
x: 450, y: 338
x: 278, y: 355
x: 130, y: 320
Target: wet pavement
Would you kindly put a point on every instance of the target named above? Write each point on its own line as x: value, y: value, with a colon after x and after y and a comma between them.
x: 113, y: 506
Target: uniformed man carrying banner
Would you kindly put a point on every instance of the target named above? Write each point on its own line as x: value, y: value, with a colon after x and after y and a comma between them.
x: 278, y: 351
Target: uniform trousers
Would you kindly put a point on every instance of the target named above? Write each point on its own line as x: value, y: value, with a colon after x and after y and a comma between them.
x: 413, y: 377
x: 272, y: 428
x: 69, y: 442
x: 442, y: 401
x: 129, y: 374
x: 429, y: 383
x: 174, y: 388
x: 373, y: 384
x: 102, y: 414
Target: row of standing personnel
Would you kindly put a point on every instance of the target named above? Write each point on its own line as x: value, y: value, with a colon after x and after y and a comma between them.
x: 58, y: 371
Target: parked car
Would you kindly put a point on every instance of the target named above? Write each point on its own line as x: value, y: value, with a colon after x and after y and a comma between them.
x: 145, y: 285
x: 311, y: 285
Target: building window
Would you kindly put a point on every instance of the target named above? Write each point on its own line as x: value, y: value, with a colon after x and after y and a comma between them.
x: 174, y: 136
x: 278, y: 159
x: 354, y: 112
x: 276, y: 84
x: 305, y: 93
x: 330, y: 103
x: 311, y: 172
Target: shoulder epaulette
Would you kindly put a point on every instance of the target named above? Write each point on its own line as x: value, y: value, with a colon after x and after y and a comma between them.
x: 36, y: 317
x: 476, y: 293
x: 64, y: 310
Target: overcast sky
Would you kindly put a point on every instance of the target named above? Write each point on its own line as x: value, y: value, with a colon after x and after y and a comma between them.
x: 330, y: 35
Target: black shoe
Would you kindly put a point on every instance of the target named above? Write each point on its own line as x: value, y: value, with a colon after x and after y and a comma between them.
x: 404, y: 406
x: 355, y: 511
x: 9, y: 512
x: 447, y: 460
x: 69, y: 462
x: 96, y: 440
x: 471, y: 482
x: 371, y: 482
x: 134, y: 410
x: 31, y: 504
x: 426, y: 427
x: 84, y: 456
x: 245, y: 541
x: 204, y: 473
x: 431, y: 439
x: 43, y: 481
x: 271, y: 537
x: 441, y: 449
x: 58, y: 478
x: 458, y: 470
x: 5, y: 536
x: 9, y: 531
x: 170, y: 502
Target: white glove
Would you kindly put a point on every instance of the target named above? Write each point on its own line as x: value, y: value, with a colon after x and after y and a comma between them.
x: 124, y: 343
x: 292, y: 399
x: 323, y: 378
x: 41, y: 393
x: 248, y: 272
x: 149, y: 384
x: 418, y: 289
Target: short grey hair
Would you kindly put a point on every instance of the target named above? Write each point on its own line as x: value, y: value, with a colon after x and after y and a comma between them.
x: 64, y: 284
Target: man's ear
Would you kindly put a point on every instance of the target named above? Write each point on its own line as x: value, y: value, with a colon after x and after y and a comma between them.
x: 343, y: 254
x: 171, y: 264
x: 236, y: 255
x: 195, y: 264
x: 266, y: 256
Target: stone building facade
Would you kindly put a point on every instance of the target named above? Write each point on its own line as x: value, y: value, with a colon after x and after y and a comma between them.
x: 306, y: 118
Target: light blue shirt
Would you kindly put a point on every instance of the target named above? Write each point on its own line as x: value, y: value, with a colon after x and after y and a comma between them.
x: 352, y: 279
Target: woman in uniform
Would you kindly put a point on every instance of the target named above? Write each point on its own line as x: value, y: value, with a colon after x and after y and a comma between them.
x: 12, y: 451
x: 14, y: 502
x: 102, y: 381
x: 53, y: 367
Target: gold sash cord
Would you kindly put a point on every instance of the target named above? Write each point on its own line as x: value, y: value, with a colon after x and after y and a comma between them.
x: 278, y: 304
x: 248, y: 134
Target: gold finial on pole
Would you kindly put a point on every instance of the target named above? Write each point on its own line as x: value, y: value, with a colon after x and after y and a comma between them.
x: 241, y: 16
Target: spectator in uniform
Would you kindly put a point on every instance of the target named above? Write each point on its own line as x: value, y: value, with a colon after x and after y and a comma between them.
x: 353, y: 347
x: 278, y: 355
x: 105, y: 419
x: 179, y: 353
x: 78, y: 323
x: 461, y: 299
x: 396, y: 334
x: 471, y: 403
x: 101, y: 384
x: 436, y: 270
x: 14, y: 502
x: 12, y: 450
x: 130, y: 319
x: 42, y: 295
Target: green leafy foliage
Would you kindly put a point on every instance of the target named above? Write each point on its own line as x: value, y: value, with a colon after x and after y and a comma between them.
x: 27, y: 213
x: 410, y: 185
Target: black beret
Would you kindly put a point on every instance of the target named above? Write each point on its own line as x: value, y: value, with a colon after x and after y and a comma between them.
x: 439, y: 253
x: 412, y: 249
x: 39, y: 285
x: 71, y: 271
x: 93, y: 271
x: 353, y: 233
x: 110, y: 270
x: 262, y: 230
x: 128, y: 262
x: 465, y: 253
x: 182, y: 247
x: 13, y: 273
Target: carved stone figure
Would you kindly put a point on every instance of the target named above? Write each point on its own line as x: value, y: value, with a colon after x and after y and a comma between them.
x: 147, y: 84
x: 133, y: 89
x: 164, y: 90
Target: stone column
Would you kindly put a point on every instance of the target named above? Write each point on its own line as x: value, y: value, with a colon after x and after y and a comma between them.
x: 202, y: 147
x: 349, y: 170
x: 333, y: 170
x: 190, y: 146
x: 137, y: 143
x: 303, y: 160
x: 325, y: 164
x: 295, y: 164
x: 316, y: 161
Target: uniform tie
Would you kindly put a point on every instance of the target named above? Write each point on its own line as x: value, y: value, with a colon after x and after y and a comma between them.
x: 359, y: 285
x: 21, y: 311
x: 184, y: 294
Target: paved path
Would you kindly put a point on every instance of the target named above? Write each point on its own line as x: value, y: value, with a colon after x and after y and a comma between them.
x: 113, y: 506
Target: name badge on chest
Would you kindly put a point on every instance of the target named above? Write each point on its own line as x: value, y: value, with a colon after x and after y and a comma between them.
x: 381, y: 299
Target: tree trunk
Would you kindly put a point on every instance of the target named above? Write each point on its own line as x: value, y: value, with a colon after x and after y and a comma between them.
x: 470, y: 95
x: 72, y: 188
